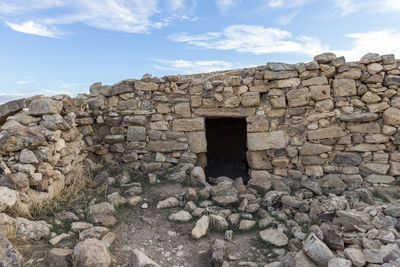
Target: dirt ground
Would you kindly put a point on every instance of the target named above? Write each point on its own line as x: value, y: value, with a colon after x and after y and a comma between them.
x: 167, y: 243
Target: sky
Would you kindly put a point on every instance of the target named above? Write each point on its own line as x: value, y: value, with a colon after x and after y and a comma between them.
x: 55, y: 47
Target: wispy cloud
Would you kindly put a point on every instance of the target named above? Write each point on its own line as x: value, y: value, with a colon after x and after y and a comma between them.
x: 275, y: 3
x: 383, y: 42
x: 370, y: 6
x: 131, y: 16
x: 252, y: 39
x: 194, y: 66
x: 225, y: 5
x: 287, y: 18
x: 31, y: 27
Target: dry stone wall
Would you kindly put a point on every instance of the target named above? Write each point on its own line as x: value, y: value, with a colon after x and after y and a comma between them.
x: 328, y: 119
x: 41, y: 150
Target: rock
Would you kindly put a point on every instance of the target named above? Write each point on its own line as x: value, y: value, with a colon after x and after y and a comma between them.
x: 9, y: 256
x: 116, y: 199
x: 393, y: 209
x: 91, y: 252
x: 41, y: 107
x: 261, y: 183
x: 391, y: 116
x: 325, y: 57
x: 197, y: 176
x: 19, y: 138
x: 373, y: 256
x: 101, y: 208
x: 57, y: 239
x: 59, y: 257
x: 309, y: 149
x: 325, y: 133
x: 274, y: 237
x: 142, y: 260
x: 277, y: 66
x: 201, y: 227
x: 363, y: 117
x: 370, y: 58
x: 31, y: 230
x: 317, y: 250
x: 8, y: 198
x: 347, y: 159
x: 391, y: 80
x: 380, y: 179
x: 320, y: 92
x: 390, y: 252
x: 339, y: 262
x: 344, y: 87
x: 225, y: 201
x: 170, y: 202
x: 370, y: 98
x: 273, y: 197
x: 267, y: 140
x: 27, y: 157
x: 181, y: 216
x: 356, y: 256
x: 76, y: 227
x: 109, y: 238
x: 218, y: 222
x: 351, y: 218
x: 217, y: 253
x: 247, y: 224
x: 94, y: 232
x: 135, y: 200
x: 302, y: 260
x: 146, y: 86
x: 278, y: 75
x: 298, y: 97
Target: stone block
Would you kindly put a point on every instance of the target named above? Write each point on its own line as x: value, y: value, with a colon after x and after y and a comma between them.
x: 188, y: 125
x: 136, y: 133
x: 257, y: 124
x: 250, y: 99
x: 298, y: 97
x: 320, y: 92
x: 267, y: 140
x: 259, y: 160
x: 325, y: 133
x: 344, y: 87
x: 197, y: 142
x: 146, y: 86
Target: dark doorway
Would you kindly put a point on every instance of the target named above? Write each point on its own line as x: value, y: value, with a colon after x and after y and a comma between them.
x: 226, y: 148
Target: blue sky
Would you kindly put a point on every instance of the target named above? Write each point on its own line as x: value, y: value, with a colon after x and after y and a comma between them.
x: 62, y: 46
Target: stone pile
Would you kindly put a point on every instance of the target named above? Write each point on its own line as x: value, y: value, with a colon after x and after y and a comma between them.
x: 41, y: 149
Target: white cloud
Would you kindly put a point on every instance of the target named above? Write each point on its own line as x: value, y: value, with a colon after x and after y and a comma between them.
x: 225, y: 5
x: 275, y: 3
x: 31, y: 27
x: 131, y: 16
x: 176, y: 4
x: 23, y: 82
x: 370, y: 6
x: 253, y: 39
x: 194, y: 66
x: 384, y: 42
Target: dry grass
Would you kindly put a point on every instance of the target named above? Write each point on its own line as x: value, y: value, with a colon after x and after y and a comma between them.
x: 76, y: 195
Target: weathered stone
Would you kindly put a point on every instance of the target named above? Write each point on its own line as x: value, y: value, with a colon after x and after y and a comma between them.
x: 285, y: 83
x: 277, y: 66
x: 41, y: 107
x: 320, y: 92
x: 267, y: 140
x: 197, y: 142
x: 298, y: 97
x: 274, y: 237
x: 302, y: 260
x: 324, y: 133
x: 91, y: 252
x: 217, y: 253
x: 180, y: 216
x: 170, y: 202
x: 380, y: 179
x: 218, y: 222
x: 317, y: 250
x: 136, y: 133
x: 351, y: 218
x: 188, y: 125
x: 356, y: 256
x: 250, y: 99
x: 339, y: 262
x: 146, y: 86
x: 259, y: 160
x: 363, y: 117
x: 391, y: 116
x: 142, y: 260
x: 260, y: 182
x: 370, y: 127
x: 391, y: 80
x: 344, y: 87
x: 372, y: 167
x: 9, y: 256
x: 278, y: 75
x: 59, y: 257
x: 166, y: 146
x: 309, y: 149
x: 347, y: 159
x: 201, y: 227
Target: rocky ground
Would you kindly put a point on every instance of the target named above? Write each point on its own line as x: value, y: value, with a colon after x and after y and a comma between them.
x: 150, y: 221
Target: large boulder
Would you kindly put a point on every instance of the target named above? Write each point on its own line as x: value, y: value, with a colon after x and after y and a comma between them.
x: 8, y: 198
x: 391, y: 116
x: 41, y: 107
x: 91, y: 252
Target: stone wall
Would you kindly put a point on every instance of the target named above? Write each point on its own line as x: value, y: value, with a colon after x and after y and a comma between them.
x: 41, y: 150
x: 324, y: 118
x: 327, y: 119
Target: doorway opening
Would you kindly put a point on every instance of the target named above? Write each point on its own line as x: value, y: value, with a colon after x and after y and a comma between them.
x: 226, y: 148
